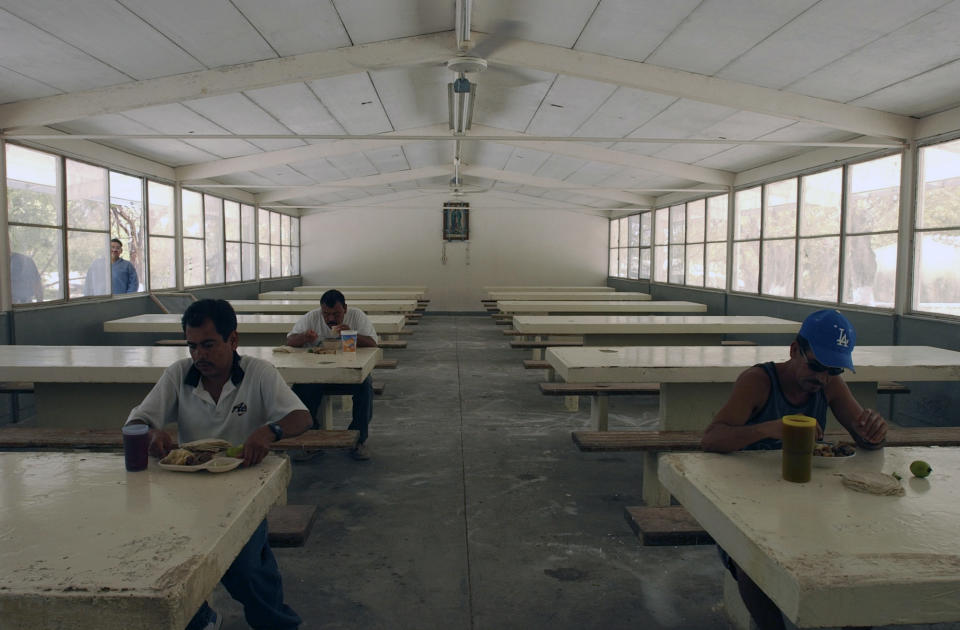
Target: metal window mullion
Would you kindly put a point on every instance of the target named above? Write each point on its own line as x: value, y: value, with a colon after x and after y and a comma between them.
x: 844, y: 198
x: 62, y: 200
x: 6, y: 290
x: 761, y: 239
x: 178, y: 236
x: 906, y: 237
x: 796, y: 242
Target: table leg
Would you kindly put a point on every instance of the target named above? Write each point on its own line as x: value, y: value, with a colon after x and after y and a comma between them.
x: 653, y: 492
x: 571, y: 403
x: 599, y: 405
x: 326, y: 412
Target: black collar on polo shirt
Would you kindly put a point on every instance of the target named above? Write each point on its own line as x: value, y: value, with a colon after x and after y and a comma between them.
x: 236, y: 373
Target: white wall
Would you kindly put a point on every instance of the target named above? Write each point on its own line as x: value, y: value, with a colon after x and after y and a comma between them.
x: 404, y: 245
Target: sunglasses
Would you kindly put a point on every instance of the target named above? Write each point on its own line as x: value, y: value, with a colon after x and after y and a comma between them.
x: 816, y: 366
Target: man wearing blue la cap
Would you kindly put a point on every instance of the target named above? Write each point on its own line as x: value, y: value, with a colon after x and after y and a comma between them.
x: 807, y: 383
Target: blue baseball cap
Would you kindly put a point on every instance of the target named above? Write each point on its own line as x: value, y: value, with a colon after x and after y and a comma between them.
x: 831, y: 337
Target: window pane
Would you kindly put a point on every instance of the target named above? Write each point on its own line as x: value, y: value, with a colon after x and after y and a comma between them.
x: 661, y: 231
x: 661, y: 261
x: 247, y: 233
x: 160, y: 212
x: 780, y: 215
x: 624, y: 232
x: 779, y: 260
x: 249, y: 251
x: 677, y: 224
x: 285, y: 260
x: 233, y: 262
x: 645, y: 263
x: 746, y: 266
x: 676, y: 263
x: 937, y: 272
x: 275, y: 269
x: 869, y: 270
x: 126, y: 223
x: 163, y: 267
x: 284, y: 230
x: 86, y: 197
x: 939, y: 202
x: 192, y: 210
x: 634, y: 226
x: 295, y: 231
x: 622, y: 261
x: 614, y: 234
x: 645, y: 230
x: 213, y: 234
x: 263, y: 227
x: 746, y: 214
x: 274, y: 230
x: 820, y: 203
x: 695, y: 220
x: 873, y: 195
x: 32, y: 187
x: 633, y: 262
x: 193, y: 264
x: 614, y: 265
x: 819, y: 266
x: 88, y: 265
x: 231, y: 220
x: 263, y: 252
x: 694, y: 270
x: 717, y: 218
x: 35, y: 273
x: 716, y: 266
x: 295, y: 261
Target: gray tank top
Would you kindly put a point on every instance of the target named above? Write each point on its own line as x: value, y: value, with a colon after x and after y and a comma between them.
x: 778, y: 406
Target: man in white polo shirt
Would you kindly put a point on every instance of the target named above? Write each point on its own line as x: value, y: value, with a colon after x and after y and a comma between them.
x: 326, y: 322
x: 216, y: 393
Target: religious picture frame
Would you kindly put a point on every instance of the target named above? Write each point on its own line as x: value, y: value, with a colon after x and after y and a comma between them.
x: 456, y: 221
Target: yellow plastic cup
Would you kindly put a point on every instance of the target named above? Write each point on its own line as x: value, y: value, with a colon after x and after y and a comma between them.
x: 799, y: 434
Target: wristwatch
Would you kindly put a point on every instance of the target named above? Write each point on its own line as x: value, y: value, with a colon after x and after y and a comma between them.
x: 277, y: 430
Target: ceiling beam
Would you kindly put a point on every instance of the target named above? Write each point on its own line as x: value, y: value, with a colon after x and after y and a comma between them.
x: 681, y: 84
x: 408, y: 51
x: 556, y: 184
x: 355, y: 182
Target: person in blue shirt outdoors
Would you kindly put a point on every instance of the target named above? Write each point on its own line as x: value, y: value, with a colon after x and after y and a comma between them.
x: 123, y: 274
x: 808, y: 383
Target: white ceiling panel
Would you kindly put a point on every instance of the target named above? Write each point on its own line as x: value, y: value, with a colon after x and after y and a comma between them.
x: 34, y: 53
x: 388, y: 160
x: 352, y: 193
x: 625, y: 111
x: 242, y: 179
x: 559, y: 167
x: 526, y: 160
x: 296, y: 107
x: 888, y: 60
x: 748, y: 156
x: 179, y: 119
x: 826, y: 32
x: 694, y: 46
x: 353, y: 165
x: 373, y: 20
x: 683, y: 119
x: 594, y: 172
x: 239, y: 114
x: 284, y: 175
x: 740, y: 126
x: 568, y: 104
x: 17, y: 87
x: 353, y: 102
x: 107, y: 31
x: 809, y: 132
x: 509, y: 108
x: 319, y: 170
x: 292, y: 27
x: 489, y: 154
x: 421, y: 154
x: 212, y: 31
x: 541, y: 20
x: 414, y: 97
x: 633, y: 29
x: 940, y: 88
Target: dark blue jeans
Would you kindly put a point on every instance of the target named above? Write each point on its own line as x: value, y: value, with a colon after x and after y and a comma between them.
x: 254, y: 580
x: 312, y: 393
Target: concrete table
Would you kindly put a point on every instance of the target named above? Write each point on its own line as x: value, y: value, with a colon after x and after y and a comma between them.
x: 549, y: 289
x: 348, y: 295
x: 674, y: 330
x: 303, y: 306
x: 826, y: 555
x: 362, y: 287
x: 88, y: 546
x: 577, y: 296
x: 95, y: 387
x: 254, y: 329
x: 695, y: 381
x: 596, y: 307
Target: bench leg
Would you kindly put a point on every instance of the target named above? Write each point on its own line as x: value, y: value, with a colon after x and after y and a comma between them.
x: 571, y: 403
x: 326, y: 412
x: 598, y: 412
x: 346, y: 402
x: 551, y: 375
x: 537, y: 354
x: 654, y: 494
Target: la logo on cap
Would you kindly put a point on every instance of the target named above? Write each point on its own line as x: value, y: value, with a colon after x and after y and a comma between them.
x: 843, y: 340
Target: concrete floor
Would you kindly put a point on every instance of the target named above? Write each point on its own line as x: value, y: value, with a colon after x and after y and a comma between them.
x: 477, y: 511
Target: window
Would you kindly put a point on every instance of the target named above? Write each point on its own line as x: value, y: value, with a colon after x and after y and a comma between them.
x: 35, y: 222
x: 126, y: 224
x: 746, y: 240
x: 779, y: 228
x: 696, y: 217
x: 294, y: 246
x: 263, y: 242
x: 191, y: 204
x: 213, y: 239
x: 161, y: 224
x: 936, y: 255
x: 818, y: 248
x: 715, y: 263
x: 661, y: 233
x: 88, y: 230
x: 248, y: 240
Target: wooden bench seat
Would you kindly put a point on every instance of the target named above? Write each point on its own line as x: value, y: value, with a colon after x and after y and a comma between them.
x: 386, y: 364
x: 392, y: 343
x: 16, y: 387
x: 892, y: 387
x: 401, y: 332
x: 598, y: 393
x: 170, y: 342
x: 378, y: 388
x: 670, y: 525
x: 548, y: 343
x: 512, y: 333
x: 290, y: 525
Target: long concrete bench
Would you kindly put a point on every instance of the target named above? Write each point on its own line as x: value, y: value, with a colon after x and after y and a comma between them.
x: 672, y: 524
x: 599, y: 394
x: 386, y: 364
x: 538, y: 346
x: 392, y: 343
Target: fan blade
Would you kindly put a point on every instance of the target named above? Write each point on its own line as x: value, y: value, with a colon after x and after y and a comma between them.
x: 506, y: 76
x: 502, y: 32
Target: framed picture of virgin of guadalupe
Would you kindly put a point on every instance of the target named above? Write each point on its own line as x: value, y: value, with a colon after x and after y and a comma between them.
x: 456, y: 220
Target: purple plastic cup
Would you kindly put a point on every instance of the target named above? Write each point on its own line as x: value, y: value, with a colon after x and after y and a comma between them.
x: 136, y: 441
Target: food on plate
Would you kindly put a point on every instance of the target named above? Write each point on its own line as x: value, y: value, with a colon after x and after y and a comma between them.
x: 920, y: 468
x: 180, y: 457
x: 874, y: 483
x: 841, y: 449
x: 234, y: 451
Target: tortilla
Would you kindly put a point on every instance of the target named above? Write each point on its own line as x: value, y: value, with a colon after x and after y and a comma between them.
x: 874, y: 483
